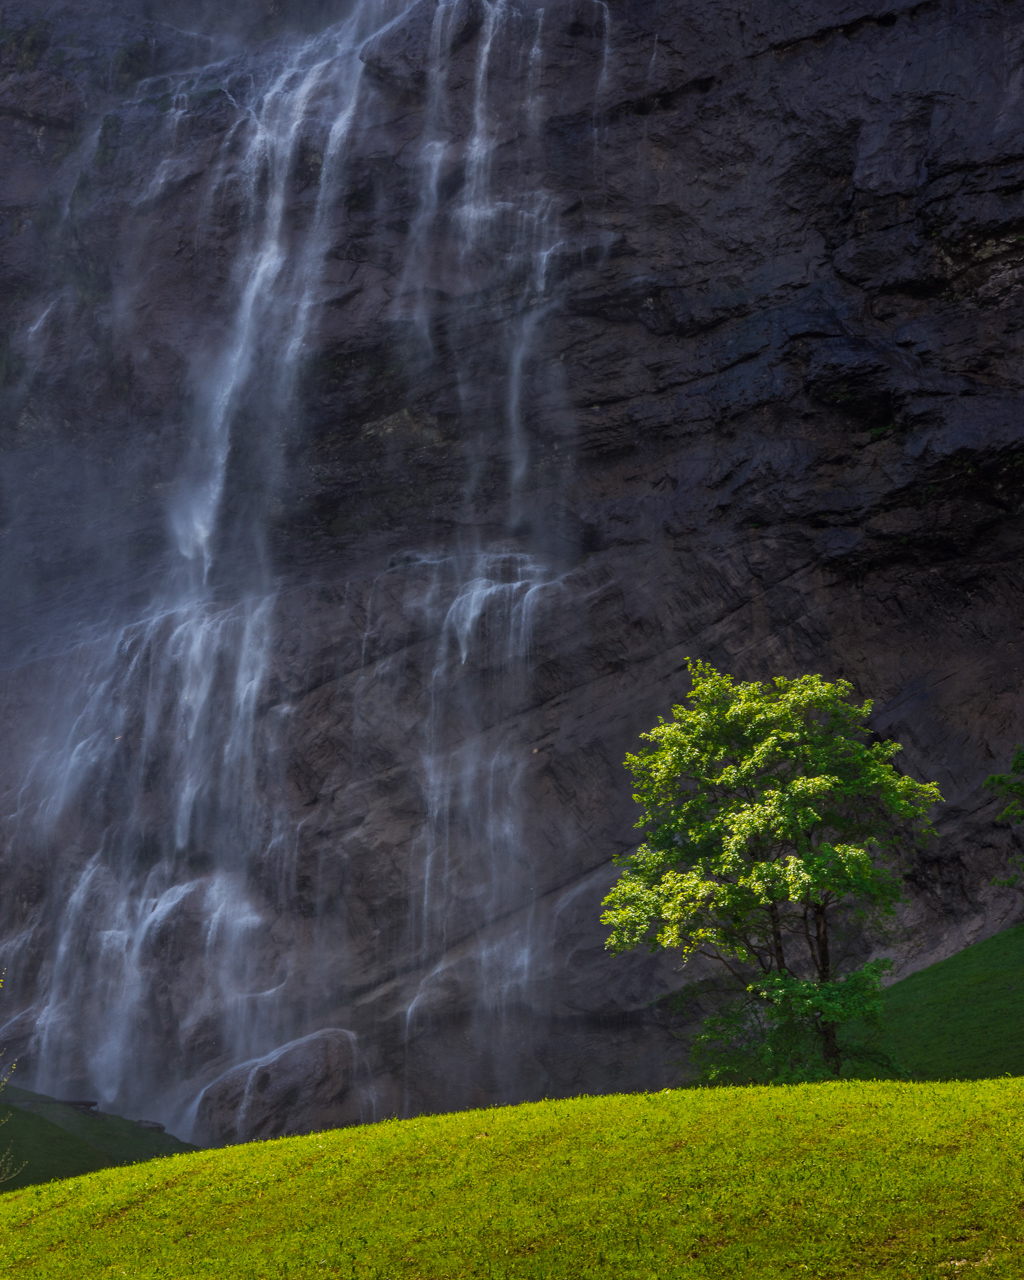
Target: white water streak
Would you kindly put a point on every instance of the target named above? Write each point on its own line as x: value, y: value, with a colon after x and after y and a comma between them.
x: 158, y: 743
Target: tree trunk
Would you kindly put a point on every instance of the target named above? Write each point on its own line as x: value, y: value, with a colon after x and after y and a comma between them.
x: 824, y: 960
x: 780, y: 958
x: 830, y: 1048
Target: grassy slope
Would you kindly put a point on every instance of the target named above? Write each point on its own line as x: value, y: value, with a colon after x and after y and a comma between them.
x: 852, y: 1179
x: 50, y: 1140
x: 873, y: 1180
x: 40, y: 1150
x: 962, y: 1018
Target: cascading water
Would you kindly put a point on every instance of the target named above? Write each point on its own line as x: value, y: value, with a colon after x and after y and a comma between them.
x: 155, y: 793
x: 472, y: 856
x: 166, y: 742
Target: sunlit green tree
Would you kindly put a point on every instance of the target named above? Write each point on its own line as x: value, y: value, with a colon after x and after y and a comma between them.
x: 770, y: 817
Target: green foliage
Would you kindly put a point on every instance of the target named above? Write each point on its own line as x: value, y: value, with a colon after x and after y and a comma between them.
x: 871, y: 1180
x: 769, y: 818
x: 1010, y: 786
x: 770, y: 1033
x: 959, y: 1019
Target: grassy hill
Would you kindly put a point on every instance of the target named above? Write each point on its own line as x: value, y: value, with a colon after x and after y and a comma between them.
x: 873, y: 1180
x: 48, y: 1139
x: 963, y: 1018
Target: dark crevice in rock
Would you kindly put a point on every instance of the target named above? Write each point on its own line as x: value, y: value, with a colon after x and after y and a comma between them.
x: 850, y: 29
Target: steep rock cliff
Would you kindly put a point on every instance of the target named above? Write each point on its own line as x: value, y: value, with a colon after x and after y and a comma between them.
x: 772, y: 417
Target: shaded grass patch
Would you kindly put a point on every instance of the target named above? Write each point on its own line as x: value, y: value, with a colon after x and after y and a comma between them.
x: 962, y: 1018
x: 49, y: 1139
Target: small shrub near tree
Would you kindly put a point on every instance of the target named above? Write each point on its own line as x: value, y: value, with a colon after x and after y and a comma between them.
x: 775, y: 831
x: 1009, y: 787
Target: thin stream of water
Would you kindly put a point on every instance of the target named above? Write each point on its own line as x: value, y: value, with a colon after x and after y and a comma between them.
x: 153, y: 789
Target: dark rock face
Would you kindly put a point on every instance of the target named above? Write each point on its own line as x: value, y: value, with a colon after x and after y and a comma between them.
x: 300, y: 1087
x: 766, y: 410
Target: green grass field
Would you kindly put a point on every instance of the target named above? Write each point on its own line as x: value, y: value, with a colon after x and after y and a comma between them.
x: 838, y: 1180
x: 962, y: 1018
x: 854, y: 1179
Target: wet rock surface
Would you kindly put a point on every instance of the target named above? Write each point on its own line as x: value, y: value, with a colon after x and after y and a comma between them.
x: 775, y: 421
x: 300, y: 1087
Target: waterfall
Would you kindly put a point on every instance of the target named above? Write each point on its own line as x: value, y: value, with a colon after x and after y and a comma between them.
x: 472, y: 856
x: 151, y: 794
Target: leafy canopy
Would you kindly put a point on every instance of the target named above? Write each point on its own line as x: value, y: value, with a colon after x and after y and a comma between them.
x: 768, y: 813
x: 757, y: 798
